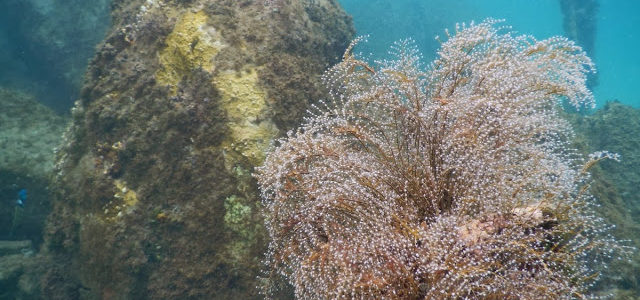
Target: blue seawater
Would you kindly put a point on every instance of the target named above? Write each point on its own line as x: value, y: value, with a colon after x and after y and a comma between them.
x: 617, y: 32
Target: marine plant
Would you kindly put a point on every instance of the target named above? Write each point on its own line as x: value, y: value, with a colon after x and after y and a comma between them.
x: 452, y: 181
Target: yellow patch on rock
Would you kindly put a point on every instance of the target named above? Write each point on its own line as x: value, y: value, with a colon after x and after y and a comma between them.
x: 124, y: 202
x: 191, y: 45
x: 250, y: 125
x: 127, y: 195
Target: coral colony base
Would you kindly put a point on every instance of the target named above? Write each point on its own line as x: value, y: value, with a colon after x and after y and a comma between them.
x: 454, y: 182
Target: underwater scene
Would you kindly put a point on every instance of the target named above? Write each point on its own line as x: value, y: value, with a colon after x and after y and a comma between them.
x: 319, y: 149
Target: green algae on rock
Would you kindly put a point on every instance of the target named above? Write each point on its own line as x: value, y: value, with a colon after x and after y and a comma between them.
x: 154, y: 197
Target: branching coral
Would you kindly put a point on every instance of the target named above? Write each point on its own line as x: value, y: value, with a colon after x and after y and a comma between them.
x: 446, y: 183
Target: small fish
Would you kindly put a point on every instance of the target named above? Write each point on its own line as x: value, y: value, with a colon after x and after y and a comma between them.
x: 22, y: 197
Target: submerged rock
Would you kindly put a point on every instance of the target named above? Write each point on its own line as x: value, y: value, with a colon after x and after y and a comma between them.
x: 14, y: 247
x: 19, y: 270
x: 616, y: 185
x: 154, y: 196
x: 19, y: 275
x: 29, y: 131
x: 47, y: 44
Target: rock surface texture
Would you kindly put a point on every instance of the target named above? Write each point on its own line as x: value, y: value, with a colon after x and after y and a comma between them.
x: 153, y: 197
x: 29, y: 131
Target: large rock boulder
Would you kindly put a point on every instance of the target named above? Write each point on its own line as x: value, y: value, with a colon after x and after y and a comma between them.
x: 154, y: 197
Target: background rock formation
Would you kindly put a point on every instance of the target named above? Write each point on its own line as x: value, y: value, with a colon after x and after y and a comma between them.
x: 47, y: 44
x: 580, y: 20
x: 28, y: 131
x: 616, y: 127
x: 153, y: 197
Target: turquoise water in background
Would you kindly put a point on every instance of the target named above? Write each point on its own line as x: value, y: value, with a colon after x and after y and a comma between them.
x: 617, y: 37
x: 617, y: 51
